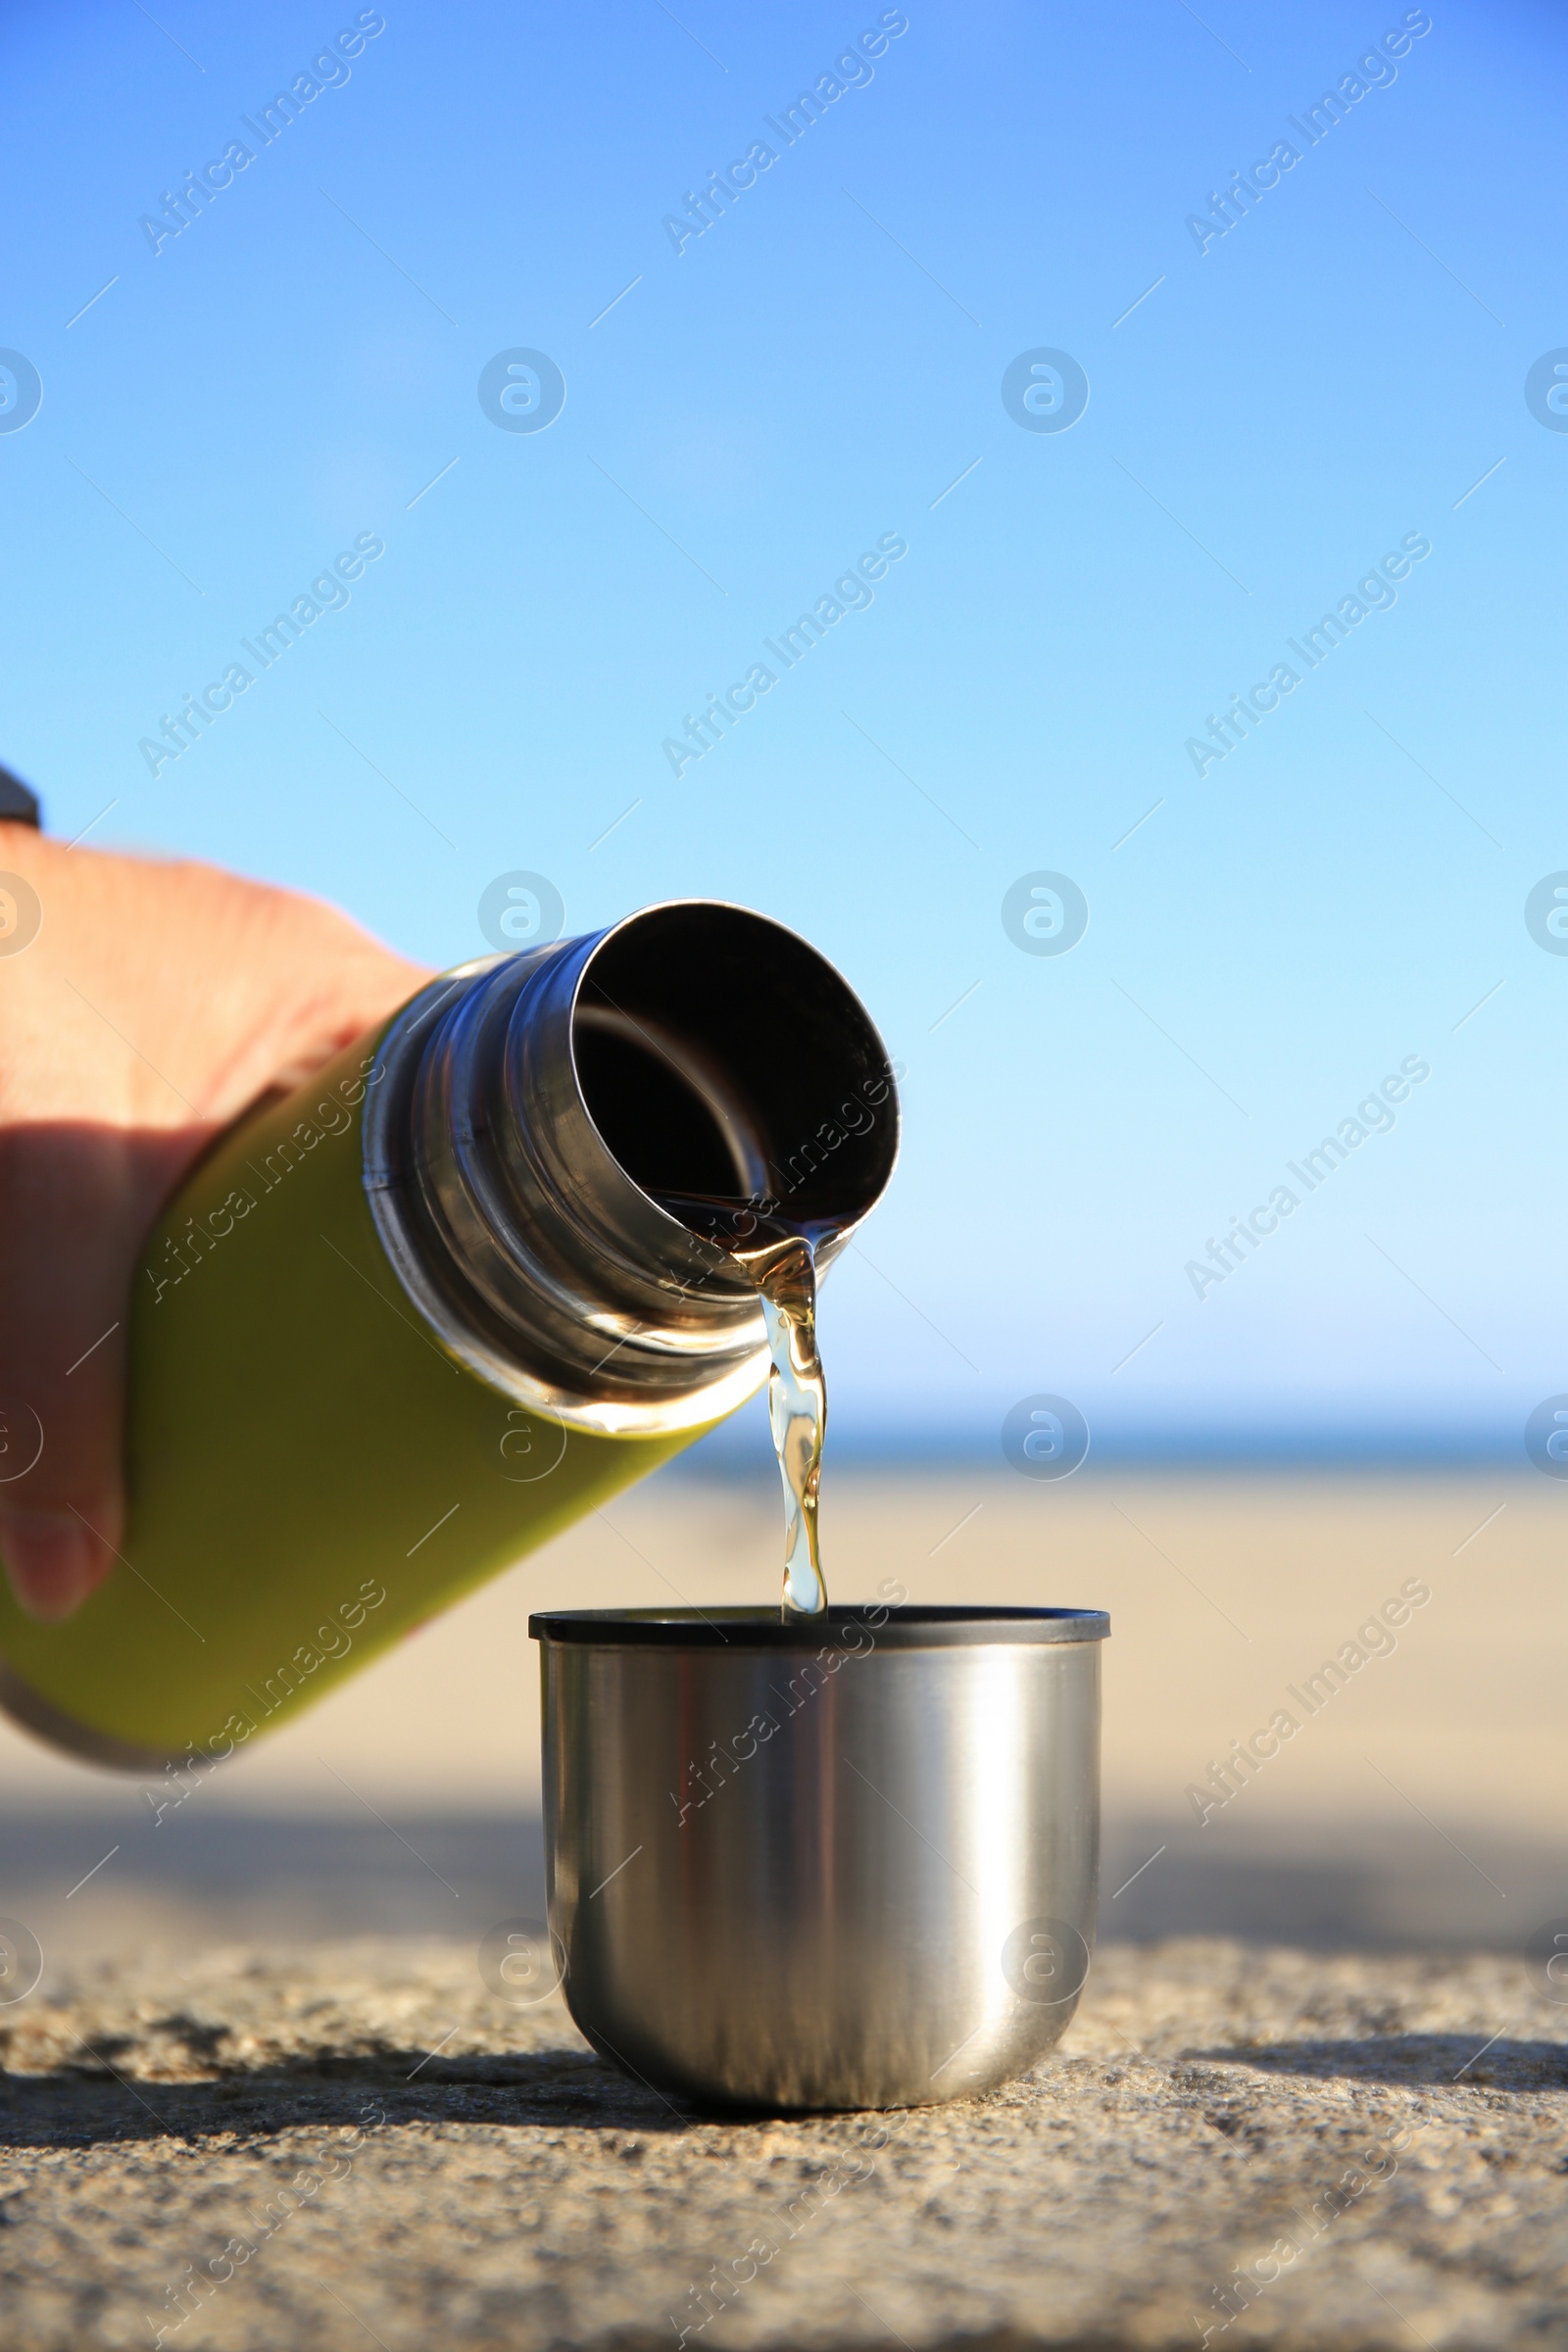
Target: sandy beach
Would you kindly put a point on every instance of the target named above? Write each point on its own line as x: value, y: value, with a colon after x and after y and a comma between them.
x: 1419, y: 1797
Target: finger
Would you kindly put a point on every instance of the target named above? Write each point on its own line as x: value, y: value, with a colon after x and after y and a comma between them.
x: 74, y: 1200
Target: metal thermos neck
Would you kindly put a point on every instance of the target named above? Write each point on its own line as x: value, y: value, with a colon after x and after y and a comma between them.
x: 528, y: 1110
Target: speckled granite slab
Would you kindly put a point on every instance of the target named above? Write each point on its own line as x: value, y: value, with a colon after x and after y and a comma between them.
x: 359, y: 2144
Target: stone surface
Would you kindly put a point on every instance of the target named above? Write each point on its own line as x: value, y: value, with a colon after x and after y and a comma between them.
x: 460, y: 2174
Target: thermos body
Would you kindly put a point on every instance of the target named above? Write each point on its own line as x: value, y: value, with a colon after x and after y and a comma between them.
x: 405, y: 1323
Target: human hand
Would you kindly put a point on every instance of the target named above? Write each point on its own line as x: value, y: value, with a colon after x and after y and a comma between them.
x: 155, y: 1002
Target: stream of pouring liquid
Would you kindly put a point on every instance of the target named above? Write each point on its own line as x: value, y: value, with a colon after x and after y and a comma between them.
x: 797, y: 1406
x: 781, y: 1259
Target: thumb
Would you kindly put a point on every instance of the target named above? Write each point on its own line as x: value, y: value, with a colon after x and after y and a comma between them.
x: 74, y: 1202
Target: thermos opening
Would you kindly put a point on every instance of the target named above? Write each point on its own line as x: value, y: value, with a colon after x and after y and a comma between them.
x: 719, y: 1053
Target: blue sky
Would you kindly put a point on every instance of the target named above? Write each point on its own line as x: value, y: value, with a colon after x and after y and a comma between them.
x: 1267, y: 418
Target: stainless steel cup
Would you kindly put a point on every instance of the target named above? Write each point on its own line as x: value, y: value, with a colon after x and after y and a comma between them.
x: 841, y: 1862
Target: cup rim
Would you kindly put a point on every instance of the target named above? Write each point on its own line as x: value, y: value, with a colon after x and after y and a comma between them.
x: 918, y: 1625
